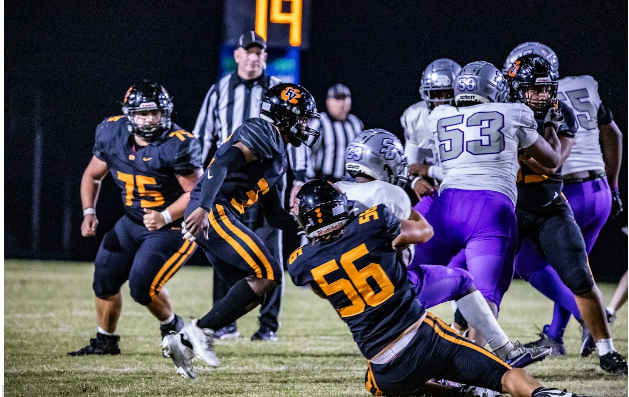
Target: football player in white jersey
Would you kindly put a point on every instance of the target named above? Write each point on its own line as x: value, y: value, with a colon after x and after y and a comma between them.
x: 586, y: 187
x: 478, y: 141
x: 437, y: 88
x: 376, y: 160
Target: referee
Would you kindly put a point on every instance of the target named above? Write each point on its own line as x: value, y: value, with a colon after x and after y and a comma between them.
x: 233, y: 99
x: 338, y: 127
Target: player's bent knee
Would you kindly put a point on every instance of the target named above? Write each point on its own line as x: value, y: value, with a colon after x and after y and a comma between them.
x: 140, y: 295
x: 580, y: 281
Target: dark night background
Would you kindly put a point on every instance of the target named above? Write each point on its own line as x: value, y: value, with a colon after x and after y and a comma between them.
x: 80, y: 58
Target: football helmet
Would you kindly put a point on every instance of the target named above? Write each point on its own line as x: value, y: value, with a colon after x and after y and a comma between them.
x: 439, y: 75
x: 528, y: 72
x: 147, y: 95
x: 323, y: 209
x: 480, y: 82
x: 289, y: 107
x: 532, y: 47
x: 378, y: 154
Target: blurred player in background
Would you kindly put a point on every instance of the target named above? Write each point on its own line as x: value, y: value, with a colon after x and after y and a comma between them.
x: 437, y: 88
x: 156, y: 164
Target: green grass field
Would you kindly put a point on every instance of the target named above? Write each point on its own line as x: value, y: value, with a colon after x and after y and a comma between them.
x: 49, y: 310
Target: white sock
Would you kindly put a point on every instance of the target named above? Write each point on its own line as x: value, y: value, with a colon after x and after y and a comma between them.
x: 605, y: 346
x: 611, y: 311
x: 479, y: 316
x: 102, y: 331
x: 168, y: 320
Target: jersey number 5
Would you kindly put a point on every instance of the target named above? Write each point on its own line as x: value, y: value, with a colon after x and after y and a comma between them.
x: 451, y: 140
x: 359, y: 289
x: 140, y: 181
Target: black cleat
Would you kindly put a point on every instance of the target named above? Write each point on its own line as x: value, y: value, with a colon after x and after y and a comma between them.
x: 556, y: 347
x: 614, y: 363
x: 228, y: 332
x: 102, y: 345
x: 265, y: 335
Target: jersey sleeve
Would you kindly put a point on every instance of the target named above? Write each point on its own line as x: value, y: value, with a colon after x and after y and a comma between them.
x: 260, y: 137
x: 395, y: 198
x: 526, y: 126
x: 187, y: 157
x: 390, y: 225
x: 104, y: 137
x: 604, y: 115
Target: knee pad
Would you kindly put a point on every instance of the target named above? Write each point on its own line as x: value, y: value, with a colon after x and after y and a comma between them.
x: 579, y: 280
x: 141, y: 293
x: 104, y: 289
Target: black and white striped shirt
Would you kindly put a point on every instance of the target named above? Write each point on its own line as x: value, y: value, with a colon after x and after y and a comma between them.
x: 227, y: 105
x: 327, y: 160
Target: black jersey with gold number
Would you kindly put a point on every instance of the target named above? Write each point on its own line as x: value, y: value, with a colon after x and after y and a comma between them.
x: 535, y: 190
x: 360, y: 274
x: 147, y: 174
x: 241, y: 188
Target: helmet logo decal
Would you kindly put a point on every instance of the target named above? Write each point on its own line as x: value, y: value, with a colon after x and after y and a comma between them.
x: 126, y: 97
x: 514, y: 68
x: 291, y: 94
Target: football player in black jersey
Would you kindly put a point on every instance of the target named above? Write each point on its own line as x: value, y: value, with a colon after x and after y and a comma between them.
x: 352, y: 262
x: 244, y: 169
x: 156, y: 164
x: 544, y: 216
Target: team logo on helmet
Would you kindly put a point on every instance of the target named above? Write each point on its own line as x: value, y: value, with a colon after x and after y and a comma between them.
x: 291, y: 94
x: 514, y: 68
x: 126, y: 97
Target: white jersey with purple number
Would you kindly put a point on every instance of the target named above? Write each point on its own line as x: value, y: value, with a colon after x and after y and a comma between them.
x: 369, y: 194
x: 420, y: 143
x: 478, y: 145
x: 581, y: 94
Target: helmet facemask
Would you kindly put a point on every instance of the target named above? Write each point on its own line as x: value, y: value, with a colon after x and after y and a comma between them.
x: 144, y: 97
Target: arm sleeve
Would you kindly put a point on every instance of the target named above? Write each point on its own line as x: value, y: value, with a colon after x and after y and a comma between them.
x: 275, y: 215
x: 526, y: 132
x: 232, y: 159
x: 604, y: 115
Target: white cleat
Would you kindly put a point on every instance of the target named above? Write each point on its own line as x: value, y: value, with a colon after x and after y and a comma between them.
x: 182, y: 355
x: 202, y: 341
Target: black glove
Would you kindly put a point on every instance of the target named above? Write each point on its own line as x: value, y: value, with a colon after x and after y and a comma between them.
x: 616, y: 204
x: 554, y: 118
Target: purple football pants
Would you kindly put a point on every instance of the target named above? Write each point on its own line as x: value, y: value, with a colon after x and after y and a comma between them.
x: 591, y: 204
x: 438, y: 284
x: 480, y: 223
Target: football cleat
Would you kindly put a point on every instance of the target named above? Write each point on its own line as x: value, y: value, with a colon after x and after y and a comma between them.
x: 614, y: 363
x: 202, y: 341
x: 228, y: 332
x: 264, y: 335
x: 546, y: 392
x: 101, y: 345
x: 522, y: 356
x: 587, y: 342
x: 166, y: 329
x: 557, y: 348
x: 474, y: 391
x: 180, y: 351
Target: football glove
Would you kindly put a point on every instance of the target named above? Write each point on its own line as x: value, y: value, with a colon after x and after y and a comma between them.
x: 554, y: 118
